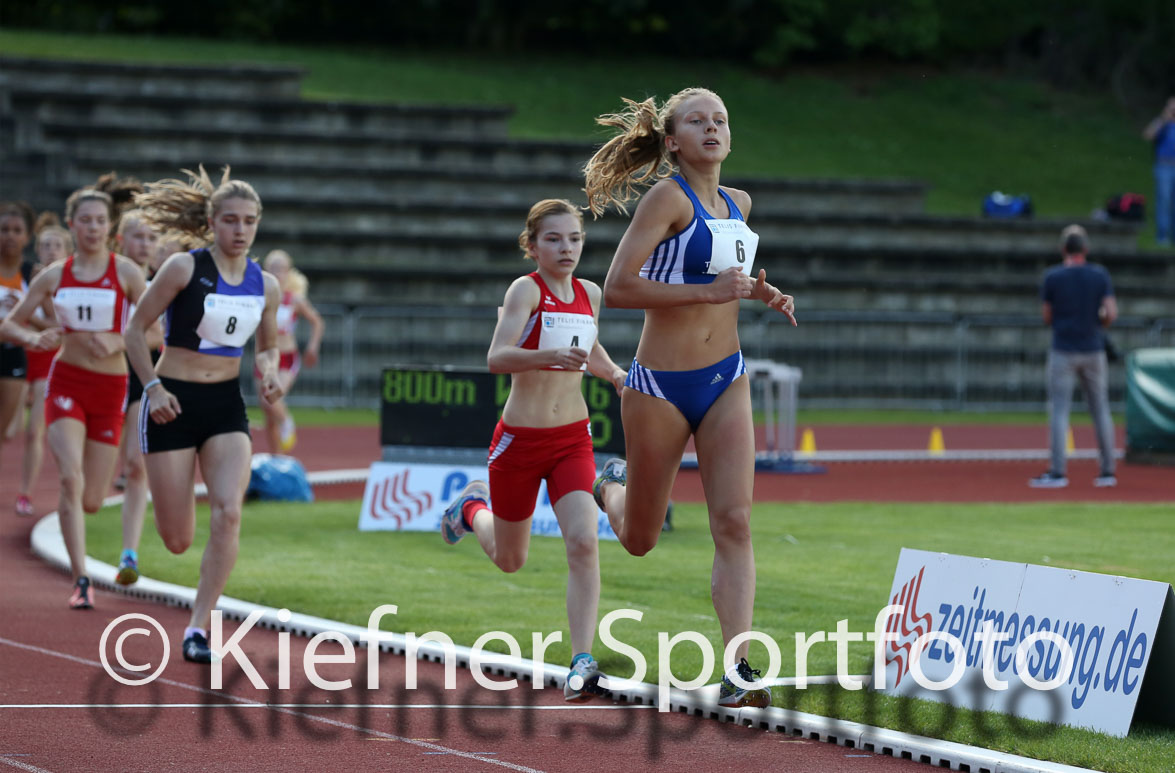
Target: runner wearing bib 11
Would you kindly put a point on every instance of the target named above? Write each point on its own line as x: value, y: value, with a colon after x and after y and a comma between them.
x: 86, y: 395
x: 215, y: 298
x: 545, y: 338
x: 686, y: 259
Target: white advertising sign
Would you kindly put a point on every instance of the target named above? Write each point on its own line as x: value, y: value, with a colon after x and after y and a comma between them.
x: 1075, y: 644
x: 413, y: 497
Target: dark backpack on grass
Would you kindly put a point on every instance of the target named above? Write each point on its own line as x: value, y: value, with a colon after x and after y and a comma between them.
x: 1127, y: 206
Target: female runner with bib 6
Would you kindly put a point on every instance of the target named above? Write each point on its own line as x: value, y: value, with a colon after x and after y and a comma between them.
x: 686, y: 259
x: 192, y: 411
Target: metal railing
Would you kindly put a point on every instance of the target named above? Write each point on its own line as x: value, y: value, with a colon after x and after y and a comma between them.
x: 869, y: 359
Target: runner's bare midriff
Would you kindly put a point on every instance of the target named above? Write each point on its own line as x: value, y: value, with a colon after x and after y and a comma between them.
x: 545, y: 398
x: 688, y: 337
x: 188, y: 365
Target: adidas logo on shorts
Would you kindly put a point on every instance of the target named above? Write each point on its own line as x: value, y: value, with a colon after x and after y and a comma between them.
x: 716, y: 379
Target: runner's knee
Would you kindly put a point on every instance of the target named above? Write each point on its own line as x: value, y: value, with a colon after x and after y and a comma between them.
x: 511, y: 562
x: 732, y: 526
x: 581, y: 548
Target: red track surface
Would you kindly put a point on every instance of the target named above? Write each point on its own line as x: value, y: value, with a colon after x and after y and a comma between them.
x: 49, y: 657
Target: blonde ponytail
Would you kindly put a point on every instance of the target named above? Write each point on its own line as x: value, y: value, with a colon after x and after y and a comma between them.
x: 637, y: 156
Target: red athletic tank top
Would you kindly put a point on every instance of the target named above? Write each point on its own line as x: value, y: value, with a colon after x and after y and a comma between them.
x: 287, y: 314
x: 555, y: 324
x: 100, y: 306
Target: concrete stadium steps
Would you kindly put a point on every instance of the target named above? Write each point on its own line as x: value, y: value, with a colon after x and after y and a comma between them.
x: 171, y: 81
x: 281, y: 145
x: 42, y: 105
x: 1026, y: 265
x: 778, y: 228
x: 411, y: 233
x: 963, y: 291
x: 390, y: 182
x: 957, y: 294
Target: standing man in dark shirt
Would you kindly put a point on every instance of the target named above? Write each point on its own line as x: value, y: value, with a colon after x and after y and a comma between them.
x: 1078, y: 301
x: 1161, y: 133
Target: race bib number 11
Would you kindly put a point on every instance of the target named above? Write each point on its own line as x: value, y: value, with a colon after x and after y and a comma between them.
x: 85, y: 308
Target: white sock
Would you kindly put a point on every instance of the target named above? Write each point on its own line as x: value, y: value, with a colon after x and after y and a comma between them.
x: 191, y: 630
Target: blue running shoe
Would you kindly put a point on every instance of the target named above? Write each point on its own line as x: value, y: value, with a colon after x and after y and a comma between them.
x: 583, y: 681
x: 128, y: 568
x: 615, y: 471
x: 453, y: 526
x: 732, y: 696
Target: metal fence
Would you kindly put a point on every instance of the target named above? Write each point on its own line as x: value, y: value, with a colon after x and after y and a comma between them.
x: 898, y: 360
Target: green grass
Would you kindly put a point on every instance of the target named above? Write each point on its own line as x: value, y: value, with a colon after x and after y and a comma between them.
x: 363, y: 417
x: 965, y: 133
x: 323, y: 417
x: 817, y: 564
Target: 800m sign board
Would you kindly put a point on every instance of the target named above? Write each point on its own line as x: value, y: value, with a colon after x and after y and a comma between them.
x: 443, y: 408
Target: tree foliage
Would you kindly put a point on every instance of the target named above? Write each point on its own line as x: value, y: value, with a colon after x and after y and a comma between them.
x: 1129, y: 46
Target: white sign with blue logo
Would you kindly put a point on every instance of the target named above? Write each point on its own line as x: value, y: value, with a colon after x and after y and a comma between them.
x: 1076, y: 645
x: 413, y: 497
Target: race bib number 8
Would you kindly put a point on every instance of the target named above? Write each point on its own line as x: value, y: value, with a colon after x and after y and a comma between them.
x: 734, y: 246
x: 229, y: 320
x: 562, y: 329
x: 86, y: 308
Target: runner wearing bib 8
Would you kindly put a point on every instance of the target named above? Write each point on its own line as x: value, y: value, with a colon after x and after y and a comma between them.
x: 214, y: 298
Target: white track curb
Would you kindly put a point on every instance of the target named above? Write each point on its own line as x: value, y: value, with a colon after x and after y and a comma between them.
x: 47, y: 543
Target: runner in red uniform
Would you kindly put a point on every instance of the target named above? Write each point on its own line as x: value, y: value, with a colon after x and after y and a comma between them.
x: 54, y: 243
x: 279, y: 424
x: 545, y: 338
x: 91, y: 291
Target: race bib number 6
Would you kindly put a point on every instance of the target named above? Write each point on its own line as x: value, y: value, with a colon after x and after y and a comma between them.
x: 734, y: 246
x: 561, y: 329
x: 229, y: 320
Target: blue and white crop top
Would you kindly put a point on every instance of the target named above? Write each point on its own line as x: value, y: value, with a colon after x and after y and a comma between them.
x: 705, y: 247
x: 212, y: 316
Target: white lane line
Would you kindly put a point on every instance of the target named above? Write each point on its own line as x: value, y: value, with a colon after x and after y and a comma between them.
x: 488, y: 706
x: 21, y: 765
x: 247, y: 702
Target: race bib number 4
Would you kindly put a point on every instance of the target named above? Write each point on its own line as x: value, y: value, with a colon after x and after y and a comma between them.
x: 229, y: 320
x: 86, y: 308
x: 562, y: 329
x: 734, y: 246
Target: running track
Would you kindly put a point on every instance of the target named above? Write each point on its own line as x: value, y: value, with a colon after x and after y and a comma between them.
x: 62, y: 712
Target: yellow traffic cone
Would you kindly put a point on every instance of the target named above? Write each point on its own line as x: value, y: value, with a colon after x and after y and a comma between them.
x: 808, y: 442
x: 936, y: 444
x: 1070, y: 446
